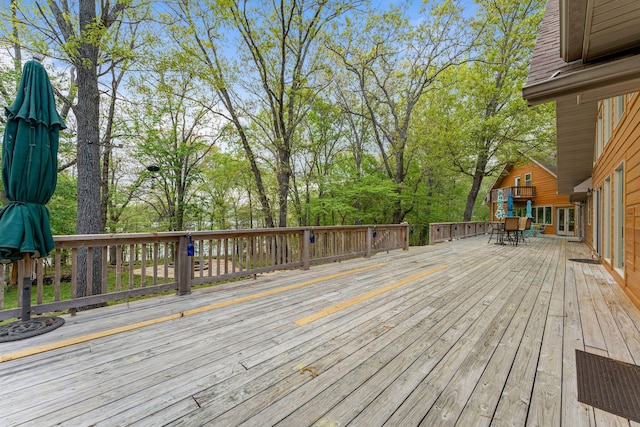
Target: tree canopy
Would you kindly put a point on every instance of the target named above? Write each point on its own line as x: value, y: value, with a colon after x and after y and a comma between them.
x: 188, y: 115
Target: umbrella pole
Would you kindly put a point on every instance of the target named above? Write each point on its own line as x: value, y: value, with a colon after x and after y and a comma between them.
x: 28, y: 327
x: 26, y: 288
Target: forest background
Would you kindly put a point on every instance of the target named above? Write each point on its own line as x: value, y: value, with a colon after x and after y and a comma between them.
x: 217, y: 114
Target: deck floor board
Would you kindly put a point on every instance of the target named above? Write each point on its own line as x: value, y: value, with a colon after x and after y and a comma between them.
x: 488, y: 338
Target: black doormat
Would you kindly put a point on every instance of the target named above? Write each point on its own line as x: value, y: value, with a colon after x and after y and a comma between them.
x: 585, y: 260
x: 608, y: 384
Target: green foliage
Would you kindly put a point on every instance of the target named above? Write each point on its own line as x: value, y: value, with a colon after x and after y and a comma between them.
x: 253, y: 109
x: 174, y: 136
x: 62, y: 206
x: 48, y: 290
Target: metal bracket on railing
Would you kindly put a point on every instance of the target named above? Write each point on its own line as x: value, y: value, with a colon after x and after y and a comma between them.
x: 190, y: 250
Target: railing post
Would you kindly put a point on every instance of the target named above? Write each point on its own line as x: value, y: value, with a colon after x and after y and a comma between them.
x: 183, y: 267
x: 306, y: 249
x: 369, y: 242
x: 407, y: 230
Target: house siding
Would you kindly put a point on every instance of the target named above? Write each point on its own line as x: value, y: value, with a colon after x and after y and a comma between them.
x: 623, y: 149
x: 546, y: 189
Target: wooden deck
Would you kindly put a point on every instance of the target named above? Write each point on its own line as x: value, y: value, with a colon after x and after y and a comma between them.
x: 462, y: 333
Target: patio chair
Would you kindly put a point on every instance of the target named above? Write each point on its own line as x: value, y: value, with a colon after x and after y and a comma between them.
x: 496, y: 227
x: 538, y: 228
x: 523, y: 226
x: 511, y: 229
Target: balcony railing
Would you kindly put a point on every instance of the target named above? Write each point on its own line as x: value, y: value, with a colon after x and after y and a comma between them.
x: 518, y: 193
x: 146, y: 263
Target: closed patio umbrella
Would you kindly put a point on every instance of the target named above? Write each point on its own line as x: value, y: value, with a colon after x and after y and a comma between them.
x: 29, y: 172
x: 500, y: 211
x: 510, y: 205
x: 529, y: 215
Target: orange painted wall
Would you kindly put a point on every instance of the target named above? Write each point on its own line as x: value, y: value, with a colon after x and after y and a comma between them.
x: 546, y: 189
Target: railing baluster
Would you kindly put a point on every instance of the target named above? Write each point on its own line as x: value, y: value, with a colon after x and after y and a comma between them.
x: 132, y: 262
x: 105, y: 271
x: 156, y: 254
x: 118, y: 267
x: 39, y: 279
x: 74, y: 273
x: 89, y: 289
x: 3, y: 272
x: 218, y: 252
x: 57, y: 275
x: 143, y: 265
x: 210, y: 258
x: 165, y: 260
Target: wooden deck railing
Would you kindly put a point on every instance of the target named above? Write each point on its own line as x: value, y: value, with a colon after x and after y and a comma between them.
x: 146, y: 263
x: 445, y: 231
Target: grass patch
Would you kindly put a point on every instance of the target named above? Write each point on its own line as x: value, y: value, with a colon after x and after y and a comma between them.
x: 48, y: 290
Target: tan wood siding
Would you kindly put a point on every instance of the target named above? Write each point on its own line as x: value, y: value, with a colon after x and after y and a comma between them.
x: 624, y: 149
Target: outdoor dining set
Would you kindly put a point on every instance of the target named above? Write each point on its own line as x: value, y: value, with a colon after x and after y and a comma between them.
x: 510, y: 228
x: 513, y: 229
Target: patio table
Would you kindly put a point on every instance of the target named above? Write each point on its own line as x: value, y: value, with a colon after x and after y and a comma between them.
x: 498, y: 228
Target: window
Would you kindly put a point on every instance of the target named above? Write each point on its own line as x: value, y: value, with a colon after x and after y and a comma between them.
x: 520, y: 211
x: 606, y: 118
x: 598, y: 136
x: 618, y: 219
x: 541, y: 214
x: 527, y: 179
x: 516, y: 189
x: 618, y: 109
x: 606, y: 225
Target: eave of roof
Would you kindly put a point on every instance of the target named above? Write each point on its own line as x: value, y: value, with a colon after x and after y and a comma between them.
x: 576, y: 87
x: 588, y: 83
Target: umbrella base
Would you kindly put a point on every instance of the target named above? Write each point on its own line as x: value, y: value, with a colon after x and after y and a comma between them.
x: 29, y: 328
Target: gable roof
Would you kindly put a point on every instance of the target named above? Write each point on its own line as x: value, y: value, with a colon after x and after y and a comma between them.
x: 548, y: 165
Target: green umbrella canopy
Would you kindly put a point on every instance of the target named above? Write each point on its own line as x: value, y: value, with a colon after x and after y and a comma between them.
x: 29, y: 166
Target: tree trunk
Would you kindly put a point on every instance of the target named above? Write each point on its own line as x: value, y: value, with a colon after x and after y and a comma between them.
x: 17, y: 50
x: 87, y: 112
x: 104, y: 186
x: 472, y: 196
x: 284, y: 177
x: 478, y: 176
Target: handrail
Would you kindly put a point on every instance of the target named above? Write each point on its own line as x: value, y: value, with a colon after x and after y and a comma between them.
x: 137, y: 264
x: 446, y: 231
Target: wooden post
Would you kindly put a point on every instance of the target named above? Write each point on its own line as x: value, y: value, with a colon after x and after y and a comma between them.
x: 369, y: 242
x: 183, y: 267
x: 407, y: 230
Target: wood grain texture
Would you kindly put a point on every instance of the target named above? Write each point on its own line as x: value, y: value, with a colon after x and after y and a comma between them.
x: 487, y: 341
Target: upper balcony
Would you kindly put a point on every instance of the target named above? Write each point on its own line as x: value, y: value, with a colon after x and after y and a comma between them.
x: 519, y: 193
